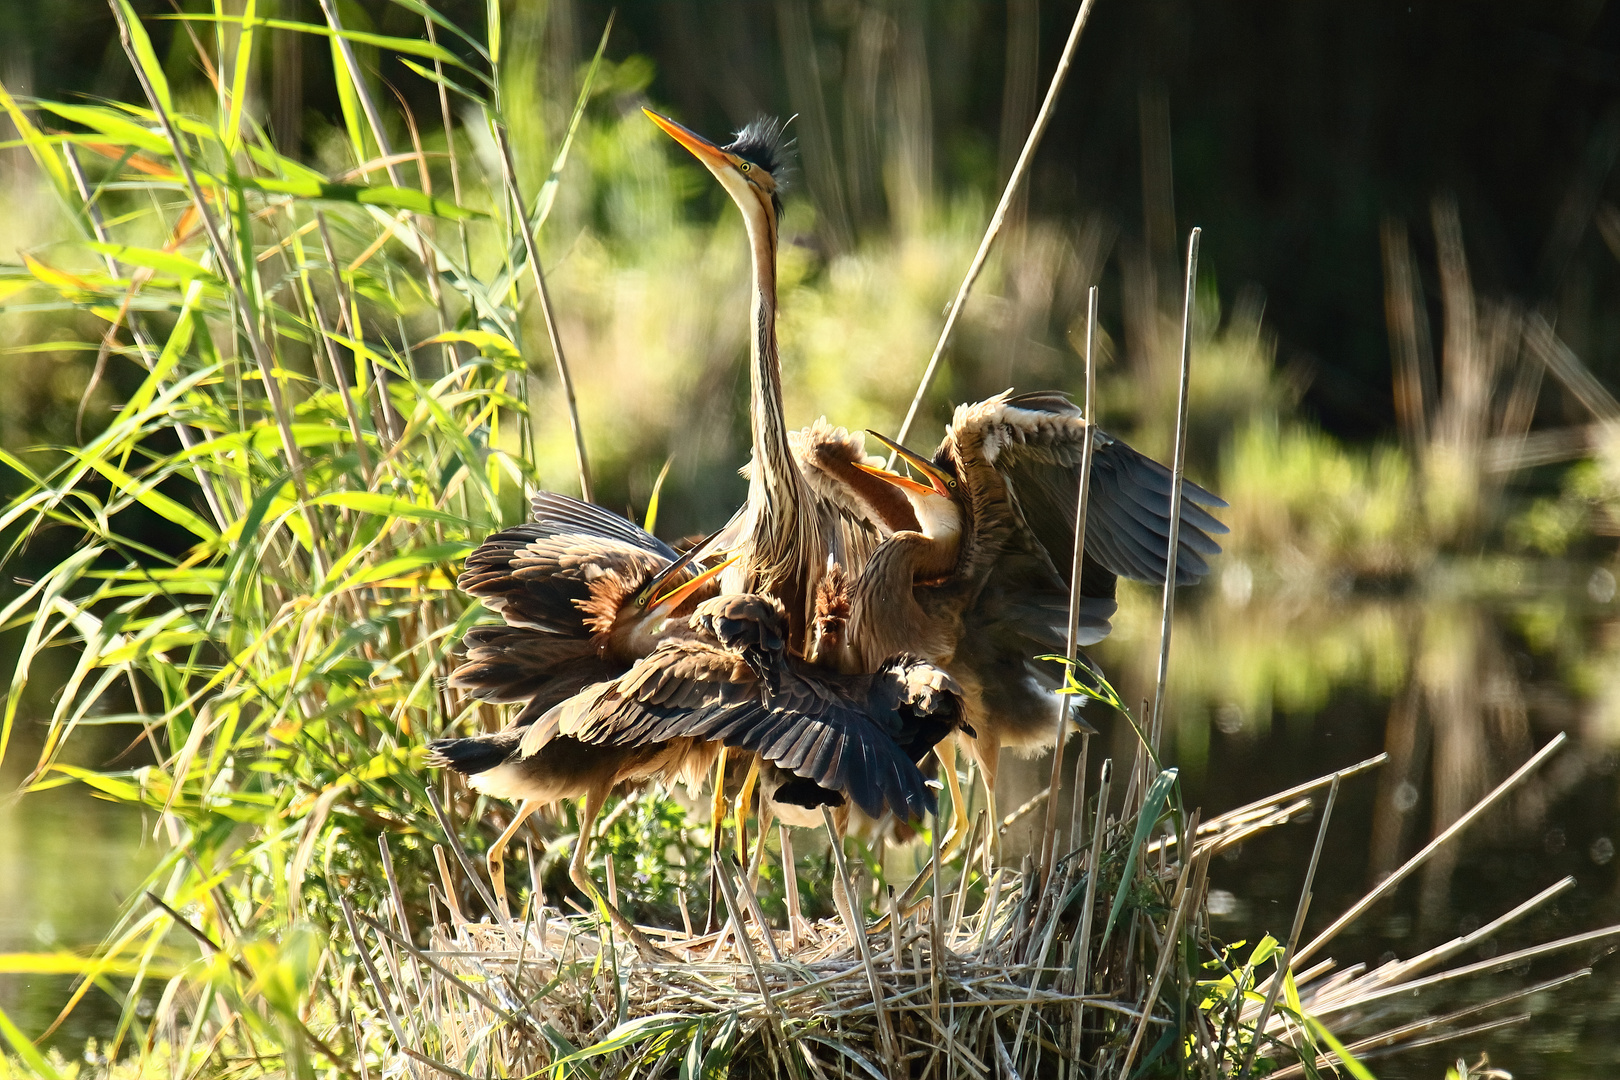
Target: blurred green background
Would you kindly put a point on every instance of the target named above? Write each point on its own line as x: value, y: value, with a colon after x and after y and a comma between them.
x: 1406, y: 326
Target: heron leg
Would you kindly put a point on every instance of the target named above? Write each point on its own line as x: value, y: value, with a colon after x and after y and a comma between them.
x: 497, y: 854
x: 960, y: 825
x: 989, y: 763
x: 758, y: 862
x: 744, y: 797
x: 717, y: 810
x: 579, y: 873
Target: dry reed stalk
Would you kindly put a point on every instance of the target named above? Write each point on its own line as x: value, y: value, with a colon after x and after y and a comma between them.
x: 564, y: 377
x: 1286, y: 958
x: 1389, y: 883
x: 1071, y: 645
x: 1177, y: 472
x: 1014, y: 180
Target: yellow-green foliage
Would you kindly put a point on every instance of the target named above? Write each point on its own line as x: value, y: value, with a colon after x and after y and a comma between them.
x: 1314, y: 507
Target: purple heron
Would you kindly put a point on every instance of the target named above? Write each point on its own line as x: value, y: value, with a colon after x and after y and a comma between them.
x: 982, y: 588
x: 802, y: 507
x: 583, y: 593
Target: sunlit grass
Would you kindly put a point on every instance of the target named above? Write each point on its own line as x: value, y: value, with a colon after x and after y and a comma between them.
x: 263, y: 593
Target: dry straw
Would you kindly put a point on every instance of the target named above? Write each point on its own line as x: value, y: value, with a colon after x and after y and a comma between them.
x: 1028, y: 983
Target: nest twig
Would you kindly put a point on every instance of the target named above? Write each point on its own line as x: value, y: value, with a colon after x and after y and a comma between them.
x: 1003, y: 989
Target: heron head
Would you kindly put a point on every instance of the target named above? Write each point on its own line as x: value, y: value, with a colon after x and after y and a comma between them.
x: 940, y: 481
x: 749, y: 167
x: 658, y: 597
x: 941, y: 508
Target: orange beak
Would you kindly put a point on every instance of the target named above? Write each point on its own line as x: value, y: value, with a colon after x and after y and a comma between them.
x: 701, y: 148
x: 941, y: 483
x: 674, y: 597
x: 904, y: 483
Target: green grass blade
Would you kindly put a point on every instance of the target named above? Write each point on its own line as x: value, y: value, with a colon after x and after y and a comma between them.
x: 1153, y: 804
x: 25, y: 1049
x: 239, y: 77
x: 146, y: 57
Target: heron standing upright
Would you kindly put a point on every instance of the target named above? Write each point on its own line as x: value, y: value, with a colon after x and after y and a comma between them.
x: 788, y: 528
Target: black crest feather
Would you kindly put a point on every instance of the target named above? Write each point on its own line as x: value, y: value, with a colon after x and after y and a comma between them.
x: 763, y: 143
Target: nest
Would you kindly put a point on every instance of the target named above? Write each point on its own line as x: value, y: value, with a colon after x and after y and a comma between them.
x: 1100, y: 965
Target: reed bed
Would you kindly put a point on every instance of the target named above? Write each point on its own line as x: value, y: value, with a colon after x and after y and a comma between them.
x: 1105, y: 969
x: 326, y: 396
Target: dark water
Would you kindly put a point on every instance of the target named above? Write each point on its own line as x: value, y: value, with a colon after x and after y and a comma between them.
x: 1459, y: 681
x: 1459, y: 684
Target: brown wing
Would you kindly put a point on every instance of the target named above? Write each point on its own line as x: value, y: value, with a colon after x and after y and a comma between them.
x: 558, y: 583
x: 545, y: 574
x: 811, y: 724
x: 1034, y: 441
x: 507, y: 663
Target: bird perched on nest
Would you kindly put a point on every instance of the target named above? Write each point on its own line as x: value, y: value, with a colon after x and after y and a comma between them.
x: 823, y: 738
x: 982, y: 588
x: 582, y: 594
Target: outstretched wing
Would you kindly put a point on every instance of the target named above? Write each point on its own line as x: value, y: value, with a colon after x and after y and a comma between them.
x: 1035, y: 442
x: 507, y: 663
x: 812, y: 725
x: 540, y: 575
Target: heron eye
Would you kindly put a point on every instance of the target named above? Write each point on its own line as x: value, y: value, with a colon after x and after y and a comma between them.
x: 744, y: 166
x: 950, y: 483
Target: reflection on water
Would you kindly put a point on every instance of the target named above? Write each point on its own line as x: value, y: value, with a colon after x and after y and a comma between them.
x: 1458, y: 679
x: 68, y: 861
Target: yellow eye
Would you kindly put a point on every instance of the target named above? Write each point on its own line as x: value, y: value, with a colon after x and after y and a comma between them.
x: 950, y: 483
x: 745, y: 167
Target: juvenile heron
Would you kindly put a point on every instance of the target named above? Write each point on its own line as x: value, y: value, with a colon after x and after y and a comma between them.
x: 823, y: 738
x: 983, y: 587
x: 583, y: 593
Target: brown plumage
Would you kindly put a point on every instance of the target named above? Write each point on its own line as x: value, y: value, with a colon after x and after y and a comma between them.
x: 801, y: 506
x: 582, y: 594
x: 823, y: 738
x: 577, y: 592
x: 983, y: 587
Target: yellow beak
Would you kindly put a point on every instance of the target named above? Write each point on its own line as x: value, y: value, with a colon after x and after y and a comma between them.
x: 701, y: 148
x: 904, y: 483
x: 675, y: 597
x: 941, y: 482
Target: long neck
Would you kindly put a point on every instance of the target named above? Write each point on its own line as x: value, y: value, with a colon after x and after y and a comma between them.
x: 884, y: 616
x: 774, y: 470
x: 785, y: 553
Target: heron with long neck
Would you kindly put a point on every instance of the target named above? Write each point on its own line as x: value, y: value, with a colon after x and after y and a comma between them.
x: 784, y: 536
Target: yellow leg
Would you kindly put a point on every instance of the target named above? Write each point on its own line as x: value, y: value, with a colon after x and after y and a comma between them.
x: 989, y: 761
x: 717, y: 814
x: 497, y: 854
x: 579, y: 872
x: 765, y: 817
x: 744, y: 798
x: 946, y: 753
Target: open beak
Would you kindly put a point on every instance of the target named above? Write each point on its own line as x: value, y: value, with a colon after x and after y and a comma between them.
x: 701, y: 148
x: 675, y: 597
x: 654, y: 586
x: 917, y: 461
x: 904, y: 483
